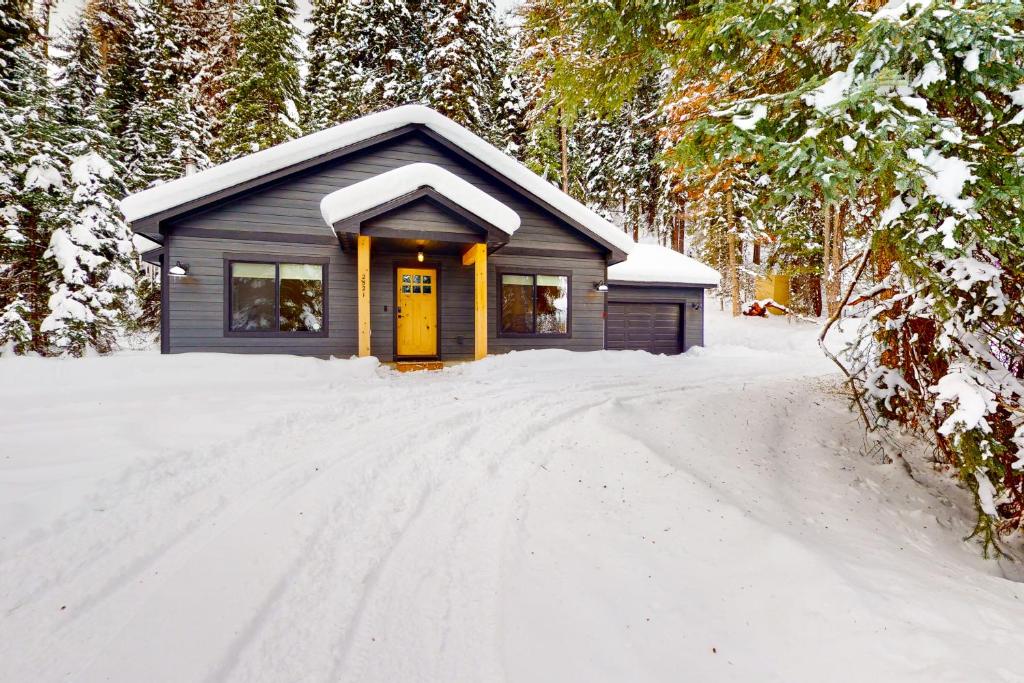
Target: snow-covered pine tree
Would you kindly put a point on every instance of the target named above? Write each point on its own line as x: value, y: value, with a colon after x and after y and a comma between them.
x: 326, y: 85
x: 114, y: 27
x: 32, y: 184
x: 364, y: 57
x: 390, y: 72
x: 624, y: 174
x: 186, y: 49
x: 264, y: 91
x: 507, y: 127
x: 90, y: 243
x: 460, y: 61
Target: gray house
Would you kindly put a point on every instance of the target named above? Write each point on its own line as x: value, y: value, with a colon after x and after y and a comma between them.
x: 404, y: 236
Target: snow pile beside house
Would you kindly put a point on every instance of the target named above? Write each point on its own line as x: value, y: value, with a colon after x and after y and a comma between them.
x: 372, y: 192
x: 655, y: 263
x: 309, y: 147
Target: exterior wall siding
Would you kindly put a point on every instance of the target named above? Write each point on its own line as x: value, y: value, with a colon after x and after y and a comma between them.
x: 586, y: 304
x: 196, y: 316
x: 423, y: 215
x: 693, y: 320
x: 284, y: 220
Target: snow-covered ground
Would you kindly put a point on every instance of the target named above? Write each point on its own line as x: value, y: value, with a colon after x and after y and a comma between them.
x: 541, y: 516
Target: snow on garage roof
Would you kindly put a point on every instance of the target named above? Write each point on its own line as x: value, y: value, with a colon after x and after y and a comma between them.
x: 372, y: 192
x: 653, y: 263
x: 250, y: 167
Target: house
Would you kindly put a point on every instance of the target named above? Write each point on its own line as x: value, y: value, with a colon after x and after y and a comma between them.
x: 404, y: 236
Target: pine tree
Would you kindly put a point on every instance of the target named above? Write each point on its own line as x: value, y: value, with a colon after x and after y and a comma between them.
x: 114, y: 27
x: 364, y: 57
x: 460, y: 64
x: 31, y: 180
x: 90, y: 243
x: 508, y: 125
x: 264, y: 91
x: 326, y: 87
x: 186, y: 49
x: 391, y: 71
x: 507, y: 128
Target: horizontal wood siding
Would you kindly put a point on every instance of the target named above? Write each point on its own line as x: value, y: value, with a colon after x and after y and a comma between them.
x: 587, y: 304
x: 420, y: 215
x: 196, y: 302
x: 693, y: 320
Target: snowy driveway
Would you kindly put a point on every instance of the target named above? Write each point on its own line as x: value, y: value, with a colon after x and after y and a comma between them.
x: 544, y: 516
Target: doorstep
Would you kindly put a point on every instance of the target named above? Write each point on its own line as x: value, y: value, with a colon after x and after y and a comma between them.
x: 416, y: 366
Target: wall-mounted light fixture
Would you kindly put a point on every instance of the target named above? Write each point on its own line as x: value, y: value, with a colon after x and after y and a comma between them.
x: 419, y: 255
x: 695, y: 305
x: 179, y: 269
x: 601, y: 286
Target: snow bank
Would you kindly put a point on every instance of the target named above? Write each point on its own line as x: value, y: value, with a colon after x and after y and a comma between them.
x: 654, y: 263
x: 223, y: 176
x: 373, y: 192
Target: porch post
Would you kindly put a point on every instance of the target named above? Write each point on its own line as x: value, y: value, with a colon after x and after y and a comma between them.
x: 363, y: 283
x: 477, y: 256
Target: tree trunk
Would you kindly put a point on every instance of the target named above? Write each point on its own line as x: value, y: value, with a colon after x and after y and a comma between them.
x: 832, y: 254
x: 679, y: 232
x: 826, y: 253
x: 838, y: 225
x: 45, y: 10
x: 563, y: 141
x: 733, y: 245
x: 814, y: 290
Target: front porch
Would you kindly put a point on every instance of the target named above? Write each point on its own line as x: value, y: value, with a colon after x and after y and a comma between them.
x: 422, y: 311
x: 429, y: 229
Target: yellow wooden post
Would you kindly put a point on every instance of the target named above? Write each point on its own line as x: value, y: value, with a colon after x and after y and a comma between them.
x: 363, y: 283
x: 476, y: 256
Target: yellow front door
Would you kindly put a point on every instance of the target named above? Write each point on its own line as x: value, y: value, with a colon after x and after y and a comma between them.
x: 416, y: 312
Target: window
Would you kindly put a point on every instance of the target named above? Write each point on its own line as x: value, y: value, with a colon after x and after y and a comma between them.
x: 534, y: 304
x: 276, y: 298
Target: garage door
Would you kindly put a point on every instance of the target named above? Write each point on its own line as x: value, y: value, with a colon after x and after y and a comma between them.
x: 645, y: 327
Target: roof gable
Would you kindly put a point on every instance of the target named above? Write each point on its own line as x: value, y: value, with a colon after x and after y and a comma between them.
x: 403, y: 182
x: 226, y: 180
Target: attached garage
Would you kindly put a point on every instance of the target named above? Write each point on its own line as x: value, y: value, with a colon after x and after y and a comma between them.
x: 656, y: 301
x: 656, y: 328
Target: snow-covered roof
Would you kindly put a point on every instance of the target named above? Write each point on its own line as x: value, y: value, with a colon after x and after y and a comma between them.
x: 372, y: 192
x: 654, y: 263
x: 250, y: 167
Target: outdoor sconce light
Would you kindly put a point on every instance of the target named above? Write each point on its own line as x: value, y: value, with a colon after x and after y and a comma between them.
x: 419, y: 255
x: 695, y: 305
x: 179, y: 269
x: 601, y: 286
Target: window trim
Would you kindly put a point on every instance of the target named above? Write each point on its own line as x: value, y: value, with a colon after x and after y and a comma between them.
x: 276, y: 260
x: 557, y: 272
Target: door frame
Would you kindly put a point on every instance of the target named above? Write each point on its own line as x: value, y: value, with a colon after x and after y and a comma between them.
x: 425, y: 265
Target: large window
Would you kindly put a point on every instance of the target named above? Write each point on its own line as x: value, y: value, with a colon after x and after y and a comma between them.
x: 276, y: 298
x: 534, y: 304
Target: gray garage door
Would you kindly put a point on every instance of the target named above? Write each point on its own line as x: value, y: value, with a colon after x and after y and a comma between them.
x: 646, y: 327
